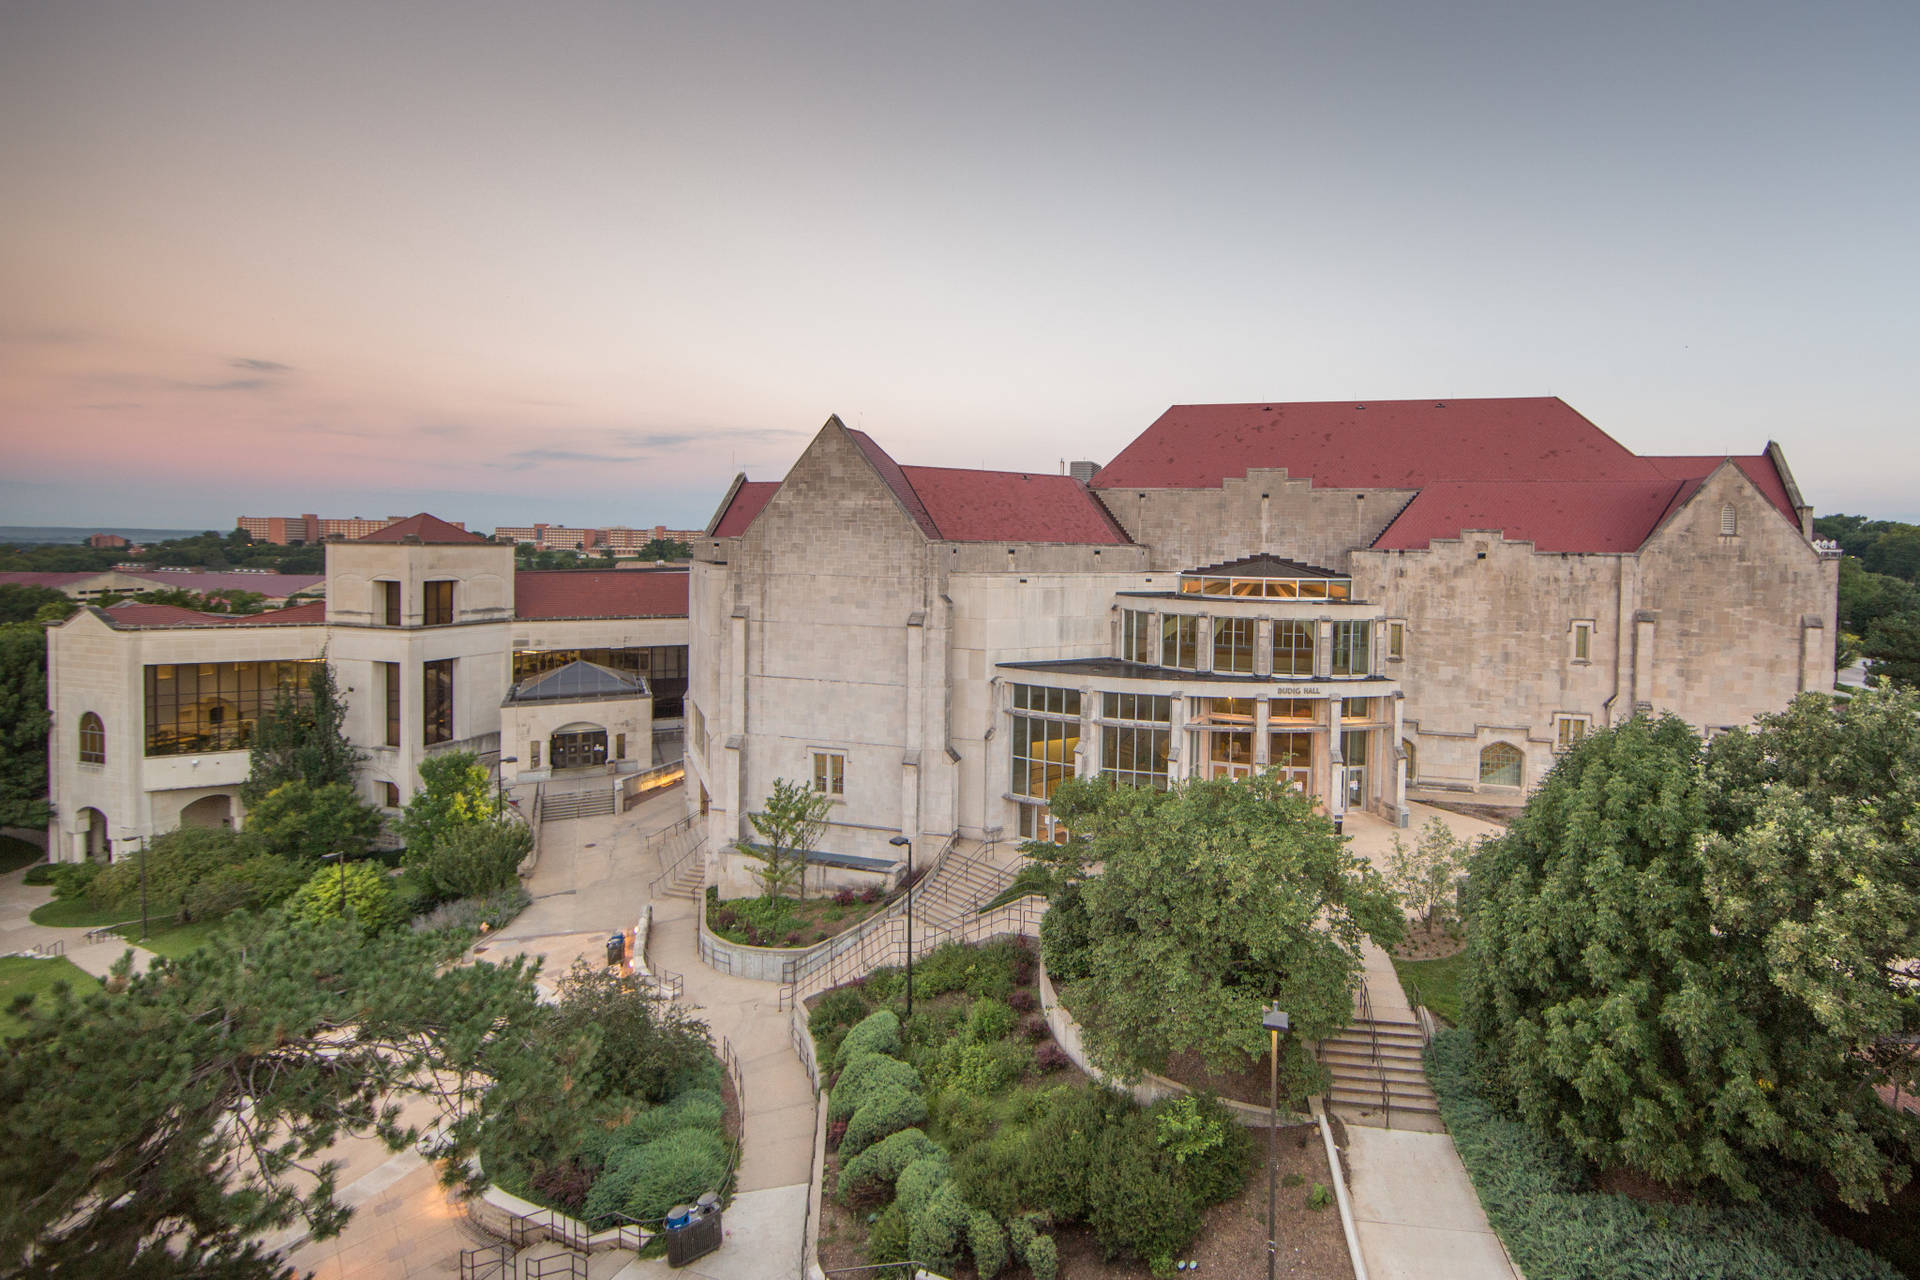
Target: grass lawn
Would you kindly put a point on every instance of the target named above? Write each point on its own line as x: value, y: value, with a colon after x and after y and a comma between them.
x: 176, y: 941
x: 21, y: 976
x: 75, y: 913
x: 1434, y: 983
x: 16, y: 853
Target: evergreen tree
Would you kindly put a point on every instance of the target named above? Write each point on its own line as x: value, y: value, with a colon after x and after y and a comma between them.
x: 791, y: 824
x: 302, y: 738
x: 23, y: 725
x: 1892, y: 649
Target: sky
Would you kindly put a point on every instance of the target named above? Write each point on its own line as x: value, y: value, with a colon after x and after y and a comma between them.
x: 582, y: 262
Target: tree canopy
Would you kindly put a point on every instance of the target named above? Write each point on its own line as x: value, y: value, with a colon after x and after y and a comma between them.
x: 1688, y: 961
x: 1214, y: 899
x: 23, y: 725
x: 791, y: 824
x: 154, y: 1129
x: 454, y: 791
x: 302, y: 739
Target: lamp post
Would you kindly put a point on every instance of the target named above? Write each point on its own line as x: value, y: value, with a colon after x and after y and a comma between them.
x: 340, y: 857
x: 902, y: 840
x: 140, y: 846
x: 1275, y: 1022
x: 500, y: 780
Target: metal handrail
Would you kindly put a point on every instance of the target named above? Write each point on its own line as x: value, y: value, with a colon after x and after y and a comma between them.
x: 664, y: 836
x: 1379, y: 1064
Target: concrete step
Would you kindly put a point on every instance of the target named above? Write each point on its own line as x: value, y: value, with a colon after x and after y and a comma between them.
x: 1399, y: 1054
x: 1373, y: 1117
x: 1357, y: 1097
x: 1401, y: 1077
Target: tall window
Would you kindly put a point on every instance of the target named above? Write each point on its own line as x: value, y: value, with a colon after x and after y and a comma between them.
x: 1135, y: 739
x: 1222, y: 737
x: 1293, y: 649
x: 1568, y: 730
x: 1729, y: 521
x: 390, y: 795
x: 1233, y: 644
x: 93, y: 740
x: 439, y: 610
x: 390, y: 686
x: 1582, y: 641
x: 1046, y: 732
x: 1500, y: 765
x: 1180, y: 642
x: 1396, y: 641
x: 1352, y: 648
x: 437, y: 700
x: 388, y: 600
x: 830, y: 773
x: 212, y: 706
x: 1136, y: 636
x: 1291, y: 754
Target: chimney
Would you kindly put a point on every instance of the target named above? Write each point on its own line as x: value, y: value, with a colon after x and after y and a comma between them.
x: 1083, y: 471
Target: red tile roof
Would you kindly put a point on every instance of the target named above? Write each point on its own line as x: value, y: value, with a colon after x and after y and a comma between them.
x: 277, y: 586
x: 1375, y: 444
x: 138, y: 613
x: 1757, y: 467
x: 748, y: 501
x: 897, y: 481
x: 1554, y: 515
x: 299, y: 614
x: 600, y: 593
x: 45, y: 578
x: 1011, y: 506
x: 427, y: 528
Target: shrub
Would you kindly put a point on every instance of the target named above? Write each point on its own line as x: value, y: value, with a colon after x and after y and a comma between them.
x: 867, y: 1075
x: 872, y: 1173
x: 694, y: 1109
x: 40, y: 873
x: 1042, y: 1258
x: 987, y: 1242
x: 565, y: 1185
x: 878, y: 1032
x: 937, y: 1231
x: 887, y: 1239
x: 1051, y: 1057
x: 989, y: 1020
x: 645, y: 1182
x: 1139, y: 1205
x: 74, y: 879
x: 1318, y: 1197
x: 919, y: 1180
x: 1020, y: 1236
x: 1212, y: 1149
x: 1537, y: 1198
x: 645, y: 1051
x: 845, y: 898
x: 473, y: 859
x: 871, y: 894
x: 301, y: 821
x: 366, y: 889
x: 1066, y: 932
x: 978, y: 971
x: 1035, y: 1028
x: 886, y: 1111
x: 495, y: 910
x: 837, y: 1010
x: 965, y: 1067
x: 1023, y: 1000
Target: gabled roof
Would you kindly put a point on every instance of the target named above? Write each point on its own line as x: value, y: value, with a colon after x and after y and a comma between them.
x: 1554, y: 515
x: 743, y: 503
x: 275, y: 585
x: 1373, y: 444
x: 293, y: 615
x: 47, y: 578
x: 577, y: 680
x: 130, y: 614
x: 1757, y: 467
x: 425, y: 528
x: 600, y: 593
x: 1011, y: 506
x: 895, y: 479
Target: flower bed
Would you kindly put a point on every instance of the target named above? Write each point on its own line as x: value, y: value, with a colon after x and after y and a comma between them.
x: 790, y: 922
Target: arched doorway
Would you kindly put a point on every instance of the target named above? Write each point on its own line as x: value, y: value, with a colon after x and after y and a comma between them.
x: 1413, y: 761
x: 577, y: 746
x: 208, y: 811
x: 94, y: 840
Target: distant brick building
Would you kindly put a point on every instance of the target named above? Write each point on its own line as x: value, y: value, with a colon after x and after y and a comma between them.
x: 105, y: 541
x: 619, y: 539
x: 287, y: 530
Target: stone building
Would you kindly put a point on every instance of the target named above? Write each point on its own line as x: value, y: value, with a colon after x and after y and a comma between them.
x: 437, y: 644
x: 1380, y: 599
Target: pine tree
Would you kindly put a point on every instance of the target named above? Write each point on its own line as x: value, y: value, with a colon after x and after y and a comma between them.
x: 302, y: 738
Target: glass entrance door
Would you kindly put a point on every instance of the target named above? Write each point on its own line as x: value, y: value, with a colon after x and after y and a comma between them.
x: 579, y: 750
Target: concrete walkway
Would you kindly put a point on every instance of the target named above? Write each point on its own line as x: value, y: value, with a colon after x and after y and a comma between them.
x: 18, y: 901
x: 591, y: 881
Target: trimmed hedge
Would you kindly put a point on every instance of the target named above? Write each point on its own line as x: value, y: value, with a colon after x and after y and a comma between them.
x: 645, y: 1182
x: 866, y: 1075
x: 878, y: 1032
x: 886, y: 1111
x: 876, y: 1169
x: 988, y: 1243
x: 1556, y: 1227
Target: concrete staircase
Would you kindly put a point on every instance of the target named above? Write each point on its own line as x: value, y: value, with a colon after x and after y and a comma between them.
x: 1378, y: 1078
x: 681, y: 853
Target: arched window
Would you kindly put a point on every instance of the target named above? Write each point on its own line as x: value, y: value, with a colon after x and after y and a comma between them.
x: 1500, y: 765
x: 1729, y: 520
x: 93, y: 740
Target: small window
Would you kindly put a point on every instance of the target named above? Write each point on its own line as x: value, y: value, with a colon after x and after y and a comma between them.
x: 1180, y: 642
x: 1501, y: 764
x: 1568, y: 730
x: 1729, y: 520
x: 439, y: 610
x: 1356, y: 708
x: 1582, y: 641
x: 390, y: 795
x: 390, y: 684
x: 619, y: 746
x: 1396, y: 641
x: 533, y: 754
x: 388, y: 600
x: 830, y: 773
x: 93, y: 740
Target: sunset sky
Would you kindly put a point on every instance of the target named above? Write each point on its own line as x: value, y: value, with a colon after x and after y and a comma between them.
x: 582, y: 262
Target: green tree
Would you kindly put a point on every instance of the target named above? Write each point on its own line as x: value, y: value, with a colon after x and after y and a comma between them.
x: 454, y: 792
x: 362, y: 891
x: 791, y: 825
x: 473, y: 859
x: 1697, y: 965
x: 23, y: 725
x: 665, y: 549
x: 19, y: 602
x: 1427, y: 876
x: 299, y: 820
x: 644, y: 1048
x: 198, y: 873
x: 302, y: 738
x: 157, y: 1127
x: 1892, y: 649
x: 1213, y: 900
x: 1866, y: 597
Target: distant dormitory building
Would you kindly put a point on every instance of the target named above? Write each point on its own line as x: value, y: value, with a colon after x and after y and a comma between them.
x: 437, y: 644
x: 309, y: 529
x: 619, y: 539
x: 1380, y: 600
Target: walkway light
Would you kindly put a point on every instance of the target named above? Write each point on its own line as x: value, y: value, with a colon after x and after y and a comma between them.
x: 1276, y: 1023
x: 902, y: 840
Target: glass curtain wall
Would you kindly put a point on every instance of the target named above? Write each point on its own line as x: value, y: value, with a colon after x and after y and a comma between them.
x: 1135, y: 739
x: 1046, y: 732
x: 214, y: 706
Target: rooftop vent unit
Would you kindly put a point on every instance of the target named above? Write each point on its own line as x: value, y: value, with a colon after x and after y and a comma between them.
x: 1083, y: 471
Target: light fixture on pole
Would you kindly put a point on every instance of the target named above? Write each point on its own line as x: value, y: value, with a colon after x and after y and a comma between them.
x: 140, y: 845
x: 500, y: 780
x: 902, y: 840
x: 341, y: 858
x: 1276, y: 1023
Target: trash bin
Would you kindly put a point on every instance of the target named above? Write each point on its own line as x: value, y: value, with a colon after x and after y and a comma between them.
x: 697, y: 1233
x: 616, y: 950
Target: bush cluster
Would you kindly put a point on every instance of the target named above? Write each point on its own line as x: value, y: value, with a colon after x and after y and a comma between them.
x: 753, y: 922
x: 1557, y: 1227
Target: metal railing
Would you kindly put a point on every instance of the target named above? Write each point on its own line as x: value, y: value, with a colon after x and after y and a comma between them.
x: 1379, y: 1063
x: 569, y: 1264
x: 683, y: 835
x: 489, y: 1262
x: 1020, y: 918
x: 832, y: 954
